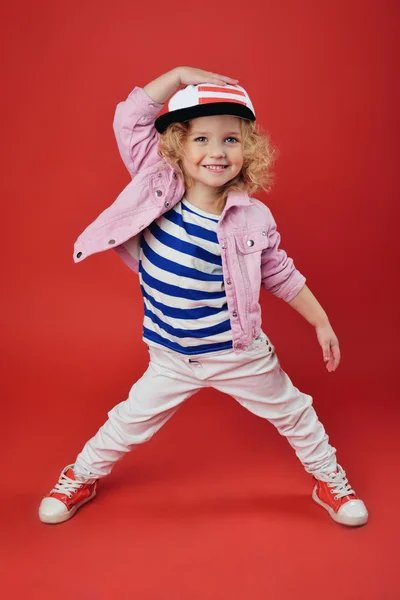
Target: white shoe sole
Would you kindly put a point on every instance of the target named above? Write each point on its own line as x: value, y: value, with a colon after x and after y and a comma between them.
x: 342, y: 519
x: 53, y: 519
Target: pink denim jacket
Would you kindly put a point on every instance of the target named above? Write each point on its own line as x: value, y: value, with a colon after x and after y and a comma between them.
x: 246, y: 231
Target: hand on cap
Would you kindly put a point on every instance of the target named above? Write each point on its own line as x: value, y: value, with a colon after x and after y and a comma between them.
x: 190, y: 75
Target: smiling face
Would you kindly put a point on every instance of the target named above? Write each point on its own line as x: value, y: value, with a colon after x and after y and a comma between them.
x: 213, y: 153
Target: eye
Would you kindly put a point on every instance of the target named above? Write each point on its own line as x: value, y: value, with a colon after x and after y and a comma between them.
x: 201, y: 138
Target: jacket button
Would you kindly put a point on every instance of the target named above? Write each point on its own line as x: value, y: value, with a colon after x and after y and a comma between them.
x: 223, y: 246
x: 238, y: 346
x: 234, y: 314
x: 158, y: 193
x: 228, y: 281
x: 250, y: 242
x: 167, y: 204
x: 79, y: 255
x: 263, y: 232
x: 111, y: 242
x: 174, y: 175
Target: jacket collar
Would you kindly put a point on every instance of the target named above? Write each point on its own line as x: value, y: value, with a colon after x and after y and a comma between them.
x: 236, y: 198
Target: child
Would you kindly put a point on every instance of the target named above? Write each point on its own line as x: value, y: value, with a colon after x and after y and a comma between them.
x: 202, y: 247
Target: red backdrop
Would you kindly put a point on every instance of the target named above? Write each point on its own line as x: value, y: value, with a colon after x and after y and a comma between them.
x: 216, y: 506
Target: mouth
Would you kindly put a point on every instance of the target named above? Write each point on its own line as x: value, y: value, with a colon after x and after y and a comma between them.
x: 215, y: 168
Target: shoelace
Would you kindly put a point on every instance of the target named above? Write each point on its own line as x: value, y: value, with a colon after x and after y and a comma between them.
x: 339, y: 483
x: 66, y: 486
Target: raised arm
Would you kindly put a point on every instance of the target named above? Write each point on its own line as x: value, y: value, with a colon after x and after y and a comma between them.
x: 136, y: 136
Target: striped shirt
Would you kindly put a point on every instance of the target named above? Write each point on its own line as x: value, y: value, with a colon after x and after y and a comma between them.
x: 180, y: 273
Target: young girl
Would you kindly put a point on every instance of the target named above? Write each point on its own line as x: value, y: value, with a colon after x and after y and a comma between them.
x: 202, y: 247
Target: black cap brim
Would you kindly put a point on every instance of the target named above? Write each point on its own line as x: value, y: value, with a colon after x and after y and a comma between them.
x: 203, y: 110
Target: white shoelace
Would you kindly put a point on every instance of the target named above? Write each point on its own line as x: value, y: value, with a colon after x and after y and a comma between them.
x: 66, y: 486
x: 338, y: 482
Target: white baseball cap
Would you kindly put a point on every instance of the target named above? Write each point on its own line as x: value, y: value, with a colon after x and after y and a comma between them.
x: 205, y: 100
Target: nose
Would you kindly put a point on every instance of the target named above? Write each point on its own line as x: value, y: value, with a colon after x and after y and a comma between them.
x: 216, y: 149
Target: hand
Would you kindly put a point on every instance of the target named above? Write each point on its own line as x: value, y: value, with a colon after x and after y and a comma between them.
x: 330, y: 346
x: 190, y: 75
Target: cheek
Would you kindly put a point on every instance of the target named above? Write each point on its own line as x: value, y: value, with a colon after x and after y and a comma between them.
x: 237, y: 156
x: 238, y: 161
x: 192, y: 158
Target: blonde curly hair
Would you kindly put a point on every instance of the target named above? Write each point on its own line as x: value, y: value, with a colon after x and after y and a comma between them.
x: 258, y: 157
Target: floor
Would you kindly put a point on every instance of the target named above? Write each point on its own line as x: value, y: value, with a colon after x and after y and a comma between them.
x: 216, y: 506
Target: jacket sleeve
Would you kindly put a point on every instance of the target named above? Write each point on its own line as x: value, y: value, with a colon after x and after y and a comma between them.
x: 129, y: 252
x: 278, y: 273
x: 136, y: 136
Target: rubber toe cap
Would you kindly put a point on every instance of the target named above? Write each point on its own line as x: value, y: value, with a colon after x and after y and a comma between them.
x: 51, y: 508
x: 354, y: 509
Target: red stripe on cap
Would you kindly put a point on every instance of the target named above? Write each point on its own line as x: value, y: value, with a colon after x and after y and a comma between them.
x: 224, y: 90
x: 209, y: 100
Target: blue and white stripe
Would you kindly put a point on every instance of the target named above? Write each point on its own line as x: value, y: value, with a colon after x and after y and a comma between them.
x: 180, y: 271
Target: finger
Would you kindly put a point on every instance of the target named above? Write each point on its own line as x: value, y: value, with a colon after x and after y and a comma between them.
x: 328, y: 357
x: 331, y: 366
x: 213, y: 79
x: 336, y: 355
x: 326, y: 352
x: 221, y: 78
x: 227, y: 78
x: 217, y: 75
x: 335, y: 358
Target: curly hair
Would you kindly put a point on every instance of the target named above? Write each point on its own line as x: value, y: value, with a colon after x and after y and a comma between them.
x: 258, y: 157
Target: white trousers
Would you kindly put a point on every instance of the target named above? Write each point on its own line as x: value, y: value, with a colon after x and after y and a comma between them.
x: 254, y: 378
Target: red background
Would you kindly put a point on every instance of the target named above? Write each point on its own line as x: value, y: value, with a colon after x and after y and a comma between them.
x: 216, y: 506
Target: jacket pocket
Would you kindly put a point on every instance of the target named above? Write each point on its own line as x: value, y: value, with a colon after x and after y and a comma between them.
x: 252, y: 241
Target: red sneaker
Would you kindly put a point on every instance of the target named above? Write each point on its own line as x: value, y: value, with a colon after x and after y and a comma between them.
x: 334, y: 493
x: 66, y: 497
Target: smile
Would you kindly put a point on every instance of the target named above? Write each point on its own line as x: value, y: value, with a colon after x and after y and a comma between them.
x: 215, y: 168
